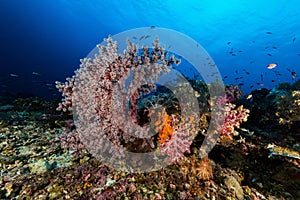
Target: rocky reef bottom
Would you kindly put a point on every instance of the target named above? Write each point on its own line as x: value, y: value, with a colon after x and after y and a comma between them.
x: 260, y: 163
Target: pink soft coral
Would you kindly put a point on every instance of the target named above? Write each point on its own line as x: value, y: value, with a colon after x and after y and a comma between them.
x: 233, y: 118
x: 179, y: 143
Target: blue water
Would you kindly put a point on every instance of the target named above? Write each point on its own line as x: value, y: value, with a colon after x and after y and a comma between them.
x: 43, y: 40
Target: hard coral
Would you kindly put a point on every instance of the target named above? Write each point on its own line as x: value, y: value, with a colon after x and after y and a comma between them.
x: 288, y: 107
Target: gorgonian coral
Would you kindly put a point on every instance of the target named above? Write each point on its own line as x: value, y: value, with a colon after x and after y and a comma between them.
x: 99, y: 89
x: 107, y: 105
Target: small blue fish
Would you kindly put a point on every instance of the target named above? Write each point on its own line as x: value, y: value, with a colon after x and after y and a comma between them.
x: 35, y: 73
x: 294, y: 74
x: 14, y: 75
x: 142, y: 37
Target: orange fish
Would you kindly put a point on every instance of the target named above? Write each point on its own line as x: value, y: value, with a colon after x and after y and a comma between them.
x: 272, y: 65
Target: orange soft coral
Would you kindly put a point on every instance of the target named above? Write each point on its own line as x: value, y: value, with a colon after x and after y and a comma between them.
x: 167, y: 130
x: 162, y: 124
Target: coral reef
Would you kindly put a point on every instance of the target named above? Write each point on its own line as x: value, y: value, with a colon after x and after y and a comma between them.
x: 42, y: 156
x: 242, y: 170
x: 280, y: 104
x: 288, y: 107
x: 280, y: 108
x: 98, y: 79
x: 93, y: 93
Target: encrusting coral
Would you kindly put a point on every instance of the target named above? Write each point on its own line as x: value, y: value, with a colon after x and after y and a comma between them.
x: 288, y: 107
